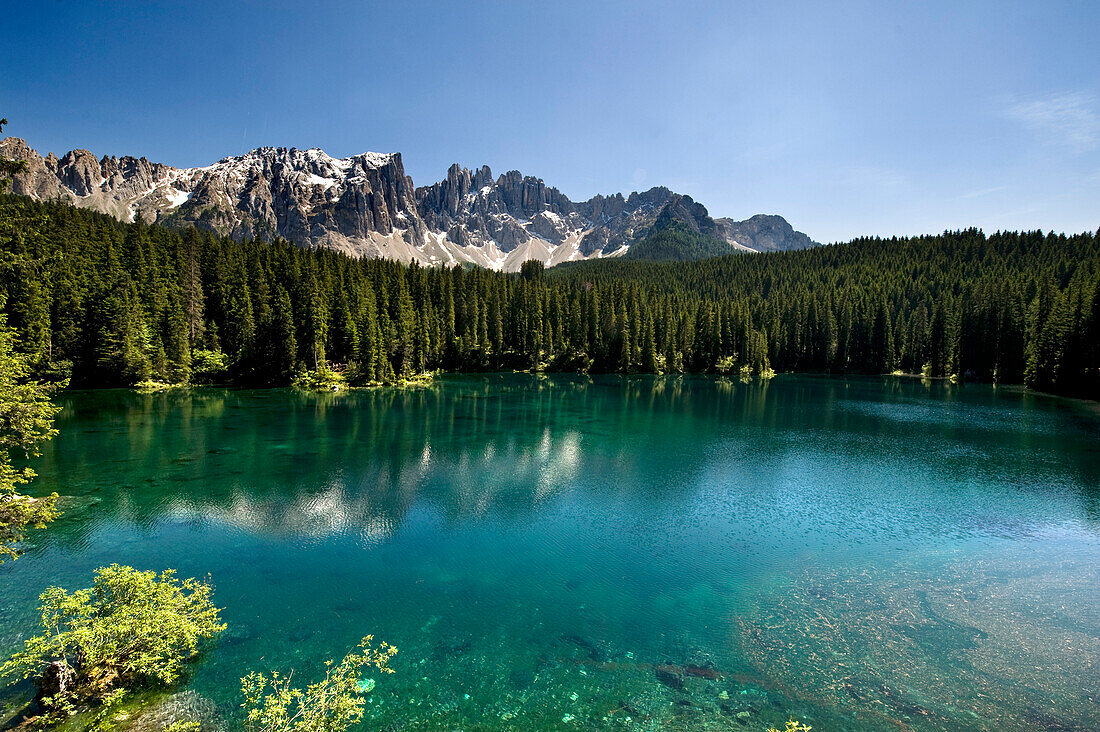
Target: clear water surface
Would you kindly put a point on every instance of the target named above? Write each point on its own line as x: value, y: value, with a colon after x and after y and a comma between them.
x: 609, y: 553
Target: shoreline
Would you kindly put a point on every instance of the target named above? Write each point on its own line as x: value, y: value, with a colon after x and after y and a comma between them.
x: 427, y: 379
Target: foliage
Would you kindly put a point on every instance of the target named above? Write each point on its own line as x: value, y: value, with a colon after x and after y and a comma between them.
x: 26, y: 420
x: 725, y: 364
x: 208, y: 366
x: 132, y: 628
x: 322, y: 378
x: 123, y: 302
x: 793, y: 726
x: 26, y: 413
x: 183, y: 726
x: 1010, y: 307
x: 675, y: 242
x: 532, y: 270
x: 332, y: 704
x: 150, y: 386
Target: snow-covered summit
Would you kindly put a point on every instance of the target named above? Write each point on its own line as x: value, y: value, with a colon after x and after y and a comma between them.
x: 365, y: 205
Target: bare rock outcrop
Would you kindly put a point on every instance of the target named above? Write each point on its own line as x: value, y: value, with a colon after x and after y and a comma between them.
x: 365, y: 205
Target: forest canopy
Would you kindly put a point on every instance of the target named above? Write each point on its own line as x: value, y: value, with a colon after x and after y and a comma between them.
x: 109, y: 303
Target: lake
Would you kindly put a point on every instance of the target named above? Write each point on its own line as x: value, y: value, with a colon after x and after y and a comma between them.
x: 616, y: 553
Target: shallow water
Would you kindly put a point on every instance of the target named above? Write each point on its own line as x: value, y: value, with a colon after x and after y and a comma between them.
x: 669, y: 553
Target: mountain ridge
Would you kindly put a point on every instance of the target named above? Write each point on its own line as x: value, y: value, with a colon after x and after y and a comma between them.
x: 365, y: 205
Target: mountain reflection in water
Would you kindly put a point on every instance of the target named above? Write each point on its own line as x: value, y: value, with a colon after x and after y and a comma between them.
x: 672, y: 551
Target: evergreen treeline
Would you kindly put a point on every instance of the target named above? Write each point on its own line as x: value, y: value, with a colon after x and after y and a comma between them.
x: 113, y: 303
x: 673, y: 241
x: 1011, y: 307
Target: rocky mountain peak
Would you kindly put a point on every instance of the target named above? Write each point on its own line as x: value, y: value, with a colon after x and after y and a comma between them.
x: 685, y: 210
x: 764, y: 233
x: 366, y: 205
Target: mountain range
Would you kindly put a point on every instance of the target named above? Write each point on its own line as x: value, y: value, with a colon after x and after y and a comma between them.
x: 365, y: 205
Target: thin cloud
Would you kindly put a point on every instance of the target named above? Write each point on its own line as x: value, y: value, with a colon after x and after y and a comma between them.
x: 1065, y: 120
x: 983, y: 192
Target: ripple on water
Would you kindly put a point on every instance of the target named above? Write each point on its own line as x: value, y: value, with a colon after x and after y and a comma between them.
x: 570, y: 553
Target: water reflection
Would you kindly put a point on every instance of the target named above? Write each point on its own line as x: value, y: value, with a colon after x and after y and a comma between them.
x: 806, y: 545
x: 315, y: 465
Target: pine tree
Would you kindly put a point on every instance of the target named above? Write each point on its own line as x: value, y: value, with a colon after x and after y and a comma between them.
x: 124, y: 358
x: 110, y: 302
x: 939, y: 342
x: 649, y: 349
x: 280, y: 347
x: 881, y: 356
x: 191, y: 277
x: 404, y: 329
x: 177, y: 346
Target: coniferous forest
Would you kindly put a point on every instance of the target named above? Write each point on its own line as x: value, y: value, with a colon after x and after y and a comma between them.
x: 106, y: 303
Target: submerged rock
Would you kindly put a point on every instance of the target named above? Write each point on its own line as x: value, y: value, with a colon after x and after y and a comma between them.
x: 186, y: 706
x: 670, y: 675
x: 702, y: 672
x: 236, y: 633
x: 597, y: 651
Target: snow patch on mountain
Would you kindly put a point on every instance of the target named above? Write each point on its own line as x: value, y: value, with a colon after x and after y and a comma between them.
x: 177, y: 198
x: 364, y: 205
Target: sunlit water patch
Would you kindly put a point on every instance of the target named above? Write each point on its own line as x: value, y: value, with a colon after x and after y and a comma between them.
x: 669, y: 553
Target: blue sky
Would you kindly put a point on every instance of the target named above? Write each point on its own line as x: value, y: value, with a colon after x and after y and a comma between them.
x: 847, y: 118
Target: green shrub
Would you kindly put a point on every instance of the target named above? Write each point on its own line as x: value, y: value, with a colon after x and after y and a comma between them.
x: 793, y: 726
x: 323, y: 378
x: 208, y: 367
x: 131, y: 629
x: 332, y: 704
x: 150, y: 386
x: 26, y: 420
x: 185, y: 725
x: 725, y: 364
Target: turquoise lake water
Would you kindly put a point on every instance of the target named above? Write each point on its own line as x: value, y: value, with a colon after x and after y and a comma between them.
x: 612, y: 553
